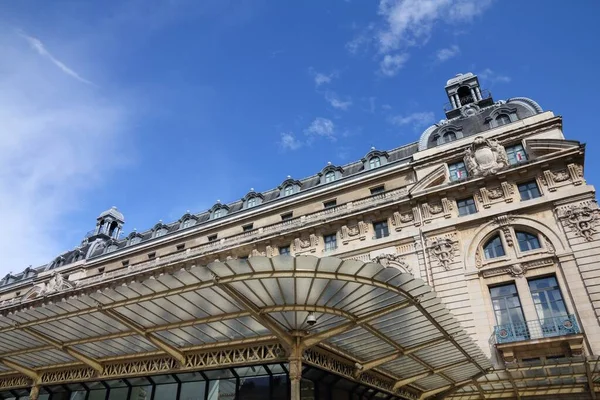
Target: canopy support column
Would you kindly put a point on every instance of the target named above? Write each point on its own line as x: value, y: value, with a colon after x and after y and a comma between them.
x: 295, y: 362
x: 34, y: 393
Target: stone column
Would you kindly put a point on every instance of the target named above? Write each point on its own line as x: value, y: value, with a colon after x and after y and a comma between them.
x: 478, y: 93
x: 473, y: 95
x: 295, y: 367
x: 457, y: 100
x: 529, y: 311
x: 34, y: 393
x: 453, y: 101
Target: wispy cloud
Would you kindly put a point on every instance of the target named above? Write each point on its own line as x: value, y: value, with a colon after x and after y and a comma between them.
x: 407, y: 23
x: 391, y: 64
x: 416, y: 120
x: 493, y: 77
x: 288, y: 141
x: 322, y: 78
x: 57, y: 135
x: 38, y: 46
x: 445, y: 54
x: 321, y: 127
x: 333, y: 99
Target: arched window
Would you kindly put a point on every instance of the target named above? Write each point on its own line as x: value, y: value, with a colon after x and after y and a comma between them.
x: 464, y: 94
x: 493, y: 248
x: 449, y: 137
x: 374, y: 162
x: 527, y: 241
x: 289, y: 189
x: 251, y: 202
x: 502, y: 119
x: 160, y: 232
x: 329, y: 177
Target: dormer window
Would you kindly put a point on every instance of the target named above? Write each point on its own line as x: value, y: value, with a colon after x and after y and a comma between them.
x: 135, y: 240
x: 502, y: 119
x: 218, y: 213
x: 374, y: 162
x: 188, y: 223
x: 251, y: 202
x: 329, y: 177
x: 288, y: 190
x: 160, y: 232
x: 449, y: 137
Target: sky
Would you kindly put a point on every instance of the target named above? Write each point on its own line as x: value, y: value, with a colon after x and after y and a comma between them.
x: 163, y: 106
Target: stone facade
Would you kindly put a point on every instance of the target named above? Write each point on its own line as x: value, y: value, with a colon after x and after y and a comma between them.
x: 416, y: 224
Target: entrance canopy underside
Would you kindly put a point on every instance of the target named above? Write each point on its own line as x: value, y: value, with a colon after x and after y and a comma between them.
x: 375, y: 325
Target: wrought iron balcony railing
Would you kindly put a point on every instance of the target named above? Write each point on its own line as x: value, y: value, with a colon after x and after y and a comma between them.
x: 537, y: 329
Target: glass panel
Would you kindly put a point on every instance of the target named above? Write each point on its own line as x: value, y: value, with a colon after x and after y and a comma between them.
x: 192, y: 390
x: 493, y: 248
x: 527, y: 241
x: 141, y: 393
x: 119, y: 393
x: 254, y: 388
x: 547, y: 298
x: 167, y: 391
x: 457, y: 171
x: 99, y: 394
x: 516, y: 154
x: 222, y: 389
x: 529, y: 191
x: 374, y: 162
x: 466, y: 207
x: 280, y: 387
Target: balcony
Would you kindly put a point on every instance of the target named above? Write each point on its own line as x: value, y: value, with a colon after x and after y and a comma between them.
x: 557, y: 336
x: 538, y: 329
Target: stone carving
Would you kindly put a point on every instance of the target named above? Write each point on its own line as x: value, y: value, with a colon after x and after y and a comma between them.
x: 495, y: 193
x: 478, y: 259
x: 517, y: 270
x: 560, y: 176
x: 303, y: 245
x: 56, y: 284
x: 407, y: 217
x: 485, y: 157
x: 549, y: 246
x: 256, y: 253
x: 508, y: 236
x: 582, y: 219
x: 392, y: 260
x: 443, y: 250
x: 358, y: 231
x: 435, y: 208
x: 503, y: 220
x: 399, y: 219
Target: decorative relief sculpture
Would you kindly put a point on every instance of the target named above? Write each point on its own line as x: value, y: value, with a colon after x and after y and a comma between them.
x: 582, y: 219
x: 256, y: 253
x: 508, y: 236
x: 485, y: 157
x: 517, y: 270
x: 548, y: 244
x: 305, y: 245
x: 354, y: 232
x: 56, y: 284
x: 443, y: 249
x: 553, y: 179
x: 433, y: 209
x: 392, y: 260
x: 486, y: 196
x: 401, y: 218
x: 503, y: 220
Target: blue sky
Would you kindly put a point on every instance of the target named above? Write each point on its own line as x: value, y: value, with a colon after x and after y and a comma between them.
x: 159, y: 107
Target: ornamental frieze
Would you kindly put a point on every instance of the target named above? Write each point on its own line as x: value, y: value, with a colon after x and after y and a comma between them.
x: 306, y: 245
x: 354, y: 232
x: 485, y: 157
x: 573, y: 173
x: 518, y: 270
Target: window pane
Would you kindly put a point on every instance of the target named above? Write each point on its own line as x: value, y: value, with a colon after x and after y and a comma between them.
x: 516, y: 154
x: 457, y: 171
x: 466, y: 207
x: 529, y: 190
x: 192, y: 391
x: 527, y: 241
x: 493, y: 248
x: 97, y: 394
x: 167, y: 391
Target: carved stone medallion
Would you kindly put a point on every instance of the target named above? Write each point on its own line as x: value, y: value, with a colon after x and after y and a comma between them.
x: 485, y: 157
x: 582, y: 219
x: 392, y: 260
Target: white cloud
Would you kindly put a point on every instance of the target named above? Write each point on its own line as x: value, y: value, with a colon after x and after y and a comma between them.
x: 391, y: 64
x: 59, y: 140
x: 447, y: 53
x: 322, y: 78
x: 493, y: 77
x: 336, y: 102
x: 289, y: 142
x: 410, y: 22
x: 38, y: 46
x: 322, y: 127
x: 417, y: 120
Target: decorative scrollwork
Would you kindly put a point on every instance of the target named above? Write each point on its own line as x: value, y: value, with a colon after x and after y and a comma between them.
x: 485, y: 157
x: 517, y: 270
x: 392, y: 260
x: 443, y: 250
x: 582, y: 219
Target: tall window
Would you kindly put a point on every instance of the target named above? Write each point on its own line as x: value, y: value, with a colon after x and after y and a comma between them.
x: 493, y: 248
x: 251, y: 202
x: 529, y: 190
x: 288, y: 190
x: 374, y: 162
x: 502, y: 119
x: 449, y: 137
x: 457, y: 171
x: 508, y: 312
x: 381, y: 229
x: 516, y: 154
x: 466, y: 206
x: 330, y: 242
x: 329, y: 177
x: 527, y: 241
x: 550, y: 306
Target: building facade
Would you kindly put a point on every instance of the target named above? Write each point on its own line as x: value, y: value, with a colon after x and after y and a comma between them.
x: 463, y: 266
